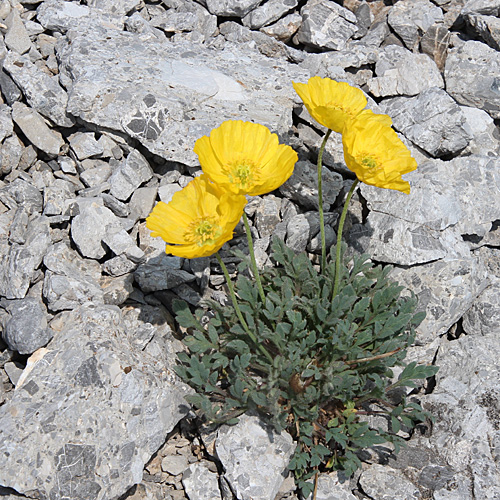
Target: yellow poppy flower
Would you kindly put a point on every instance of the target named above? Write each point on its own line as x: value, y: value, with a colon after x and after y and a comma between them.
x: 374, y: 152
x: 329, y: 102
x: 198, y: 220
x: 245, y: 158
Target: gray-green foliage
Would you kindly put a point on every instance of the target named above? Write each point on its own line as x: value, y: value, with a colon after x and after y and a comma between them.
x: 328, y: 366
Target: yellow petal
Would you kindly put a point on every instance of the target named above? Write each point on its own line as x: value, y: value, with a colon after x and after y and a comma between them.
x: 329, y: 102
x: 374, y: 152
x: 198, y: 220
x: 245, y: 158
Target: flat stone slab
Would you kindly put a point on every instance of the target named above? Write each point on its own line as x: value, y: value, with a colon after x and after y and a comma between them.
x: 88, y: 411
x: 167, y: 95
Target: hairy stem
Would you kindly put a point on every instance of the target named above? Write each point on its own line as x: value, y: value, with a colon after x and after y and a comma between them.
x: 256, y: 274
x: 339, y: 237
x: 238, y: 311
x: 320, y: 201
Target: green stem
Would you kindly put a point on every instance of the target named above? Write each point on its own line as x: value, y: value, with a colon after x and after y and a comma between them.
x: 339, y: 237
x: 252, y: 257
x: 238, y: 311
x: 320, y: 201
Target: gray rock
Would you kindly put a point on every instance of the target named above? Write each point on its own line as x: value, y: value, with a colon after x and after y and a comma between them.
x: 326, y: 25
x: 69, y: 279
x: 161, y: 272
x: 60, y: 16
x: 227, y: 8
x: 471, y: 75
x: 302, y: 187
x: 96, y: 175
x: 485, y: 7
x: 285, y: 28
x: 255, y: 457
x: 119, y: 208
x: 445, y: 289
x: 142, y: 202
x: 400, y: 72
x: 200, y: 483
x: 17, y: 37
x: 383, y: 483
x: 132, y: 172
x: 483, y: 318
x: 187, y: 17
x: 174, y: 464
x: 43, y: 92
x: 268, y: 13
x: 118, y: 266
x: 488, y: 28
x: 56, y: 196
x: 116, y: 290
x: 298, y: 233
x: 151, y: 106
x: 432, y: 121
x: 484, y: 132
x: 120, y: 242
x: 85, y: 145
x: 409, y: 19
x: 18, y: 263
x: 10, y: 154
x: 14, y: 370
x: 267, y: 215
x: 18, y: 226
x: 330, y: 488
x: 6, y: 125
x: 26, y: 331
x: 465, y: 403
x: 119, y: 405
x: 21, y: 192
x: 116, y: 7
x: 10, y: 90
x: 460, y: 194
x: 90, y: 226
x: 435, y: 44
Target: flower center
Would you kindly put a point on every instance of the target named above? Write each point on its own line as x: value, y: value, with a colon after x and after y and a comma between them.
x: 242, y: 173
x: 204, y: 231
x: 368, y: 161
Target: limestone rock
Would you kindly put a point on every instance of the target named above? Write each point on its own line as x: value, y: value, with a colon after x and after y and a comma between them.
x: 70, y: 280
x: 435, y: 43
x: 488, y: 28
x: 200, y: 483
x: 89, y: 228
x: 151, y: 105
x: 26, y: 331
x: 432, y: 121
x: 119, y: 405
x: 60, y: 16
x: 44, y: 93
x: 302, y: 186
x: 16, y: 38
x: 268, y: 13
x: 465, y: 404
x: 410, y: 19
x: 400, y: 72
x: 284, y: 29
x: 255, y: 457
x: 228, y: 8
x: 483, y: 318
x: 36, y: 130
x: 132, y: 172
x: 326, y: 25
x: 471, y: 75
x: 384, y: 483
x: 445, y: 289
